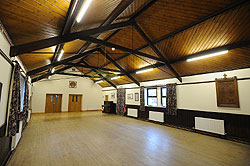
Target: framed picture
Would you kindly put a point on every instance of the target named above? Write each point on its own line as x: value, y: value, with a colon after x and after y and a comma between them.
x: 227, y: 92
x: 136, y: 96
x: 112, y: 95
x: 130, y: 96
x: 72, y: 84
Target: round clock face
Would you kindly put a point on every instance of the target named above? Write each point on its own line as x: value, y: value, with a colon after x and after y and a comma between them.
x: 72, y: 84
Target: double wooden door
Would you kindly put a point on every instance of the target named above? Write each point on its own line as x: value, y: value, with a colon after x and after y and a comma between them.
x: 75, y: 103
x: 53, y: 103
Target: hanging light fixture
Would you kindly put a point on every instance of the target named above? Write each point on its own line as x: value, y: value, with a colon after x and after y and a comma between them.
x: 99, y: 81
x: 60, y: 55
x: 207, y: 56
x: 113, y: 78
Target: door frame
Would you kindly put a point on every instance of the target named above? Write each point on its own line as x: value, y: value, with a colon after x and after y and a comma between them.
x: 70, y: 102
x: 60, y: 102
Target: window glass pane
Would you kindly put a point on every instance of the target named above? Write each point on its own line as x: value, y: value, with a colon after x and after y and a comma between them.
x: 152, y: 101
x: 151, y: 92
x: 76, y: 98
x: 163, y: 101
x: 164, y: 91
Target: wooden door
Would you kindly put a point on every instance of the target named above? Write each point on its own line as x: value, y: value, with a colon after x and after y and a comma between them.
x: 53, y: 103
x: 106, y: 97
x: 75, y: 103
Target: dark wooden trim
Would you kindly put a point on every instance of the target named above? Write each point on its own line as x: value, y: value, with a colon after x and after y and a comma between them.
x: 119, y: 67
x: 40, y: 44
x: 236, y: 125
x: 6, y: 58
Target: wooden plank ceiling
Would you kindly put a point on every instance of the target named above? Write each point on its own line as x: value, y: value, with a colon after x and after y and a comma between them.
x: 30, y: 20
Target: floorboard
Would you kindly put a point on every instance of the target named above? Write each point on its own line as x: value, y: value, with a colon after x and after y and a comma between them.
x: 96, y: 139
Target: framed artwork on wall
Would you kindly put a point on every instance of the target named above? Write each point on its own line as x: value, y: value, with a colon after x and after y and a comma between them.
x: 130, y: 96
x: 227, y: 92
x: 136, y: 96
x: 72, y: 84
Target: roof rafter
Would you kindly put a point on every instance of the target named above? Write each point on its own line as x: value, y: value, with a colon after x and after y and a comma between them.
x: 158, y: 53
x: 119, y: 67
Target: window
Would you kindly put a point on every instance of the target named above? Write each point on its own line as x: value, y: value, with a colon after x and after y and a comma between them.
x: 152, y: 96
x: 163, y: 96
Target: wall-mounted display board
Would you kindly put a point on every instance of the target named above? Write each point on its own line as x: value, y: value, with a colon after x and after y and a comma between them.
x: 227, y: 92
x: 136, y: 96
x: 1, y: 84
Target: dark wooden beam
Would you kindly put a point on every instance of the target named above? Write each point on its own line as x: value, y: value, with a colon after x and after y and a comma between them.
x: 32, y: 72
x: 119, y: 67
x: 111, y: 83
x: 48, y: 74
x: 104, y: 43
x: 187, y: 27
x: 32, y: 46
x: 77, y: 75
x: 158, y: 53
x: 91, y: 67
x: 113, y: 15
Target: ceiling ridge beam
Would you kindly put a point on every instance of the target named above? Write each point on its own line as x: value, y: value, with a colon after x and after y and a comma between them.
x: 91, y: 67
x: 40, y: 44
x: 104, y: 43
x: 157, y: 52
x: 119, y: 67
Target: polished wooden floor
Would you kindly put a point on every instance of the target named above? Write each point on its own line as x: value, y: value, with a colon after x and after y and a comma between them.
x: 93, y: 138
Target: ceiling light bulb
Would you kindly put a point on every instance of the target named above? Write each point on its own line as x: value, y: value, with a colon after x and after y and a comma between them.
x: 49, y: 77
x: 99, y: 81
x: 83, y: 10
x: 60, y: 55
x: 207, y: 56
x: 113, y: 49
x: 53, y: 70
x: 115, y: 78
x: 143, y: 71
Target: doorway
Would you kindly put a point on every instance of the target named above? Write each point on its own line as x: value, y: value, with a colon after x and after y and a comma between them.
x: 75, y: 103
x: 106, y: 97
x: 53, y: 103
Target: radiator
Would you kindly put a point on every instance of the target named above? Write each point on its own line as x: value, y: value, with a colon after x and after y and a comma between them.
x: 156, y: 116
x: 210, y: 125
x: 132, y: 112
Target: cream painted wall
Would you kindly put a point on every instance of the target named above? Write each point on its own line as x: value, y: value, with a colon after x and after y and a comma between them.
x: 5, y: 73
x: 202, y: 97
x: 132, y: 101
x: 91, y: 92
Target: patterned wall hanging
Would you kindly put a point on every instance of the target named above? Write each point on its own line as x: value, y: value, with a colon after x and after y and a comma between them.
x: 171, y: 103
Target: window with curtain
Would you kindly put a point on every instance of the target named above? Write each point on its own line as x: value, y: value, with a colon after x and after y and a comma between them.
x: 163, y: 96
x: 152, y: 96
x: 22, y: 91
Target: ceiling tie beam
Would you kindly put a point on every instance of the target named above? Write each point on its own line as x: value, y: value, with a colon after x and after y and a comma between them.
x: 40, y: 44
x: 38, y: 70
x: 107, y: 44
x: 119, y: 67
x: 158, y: 53
x: 91, y: 67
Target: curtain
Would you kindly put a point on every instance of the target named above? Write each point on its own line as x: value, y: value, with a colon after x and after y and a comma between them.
x: 15, y: 114
x: 171, y: 104
x: 26, y: 101
x: 120, y: 104
x: 142, y: 100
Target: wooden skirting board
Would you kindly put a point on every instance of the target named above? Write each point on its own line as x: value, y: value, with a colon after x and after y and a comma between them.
x: 35, y: 113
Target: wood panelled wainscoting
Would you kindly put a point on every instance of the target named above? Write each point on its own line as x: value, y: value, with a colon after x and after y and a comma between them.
x: 5, y: 147
x: 236, y: 126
